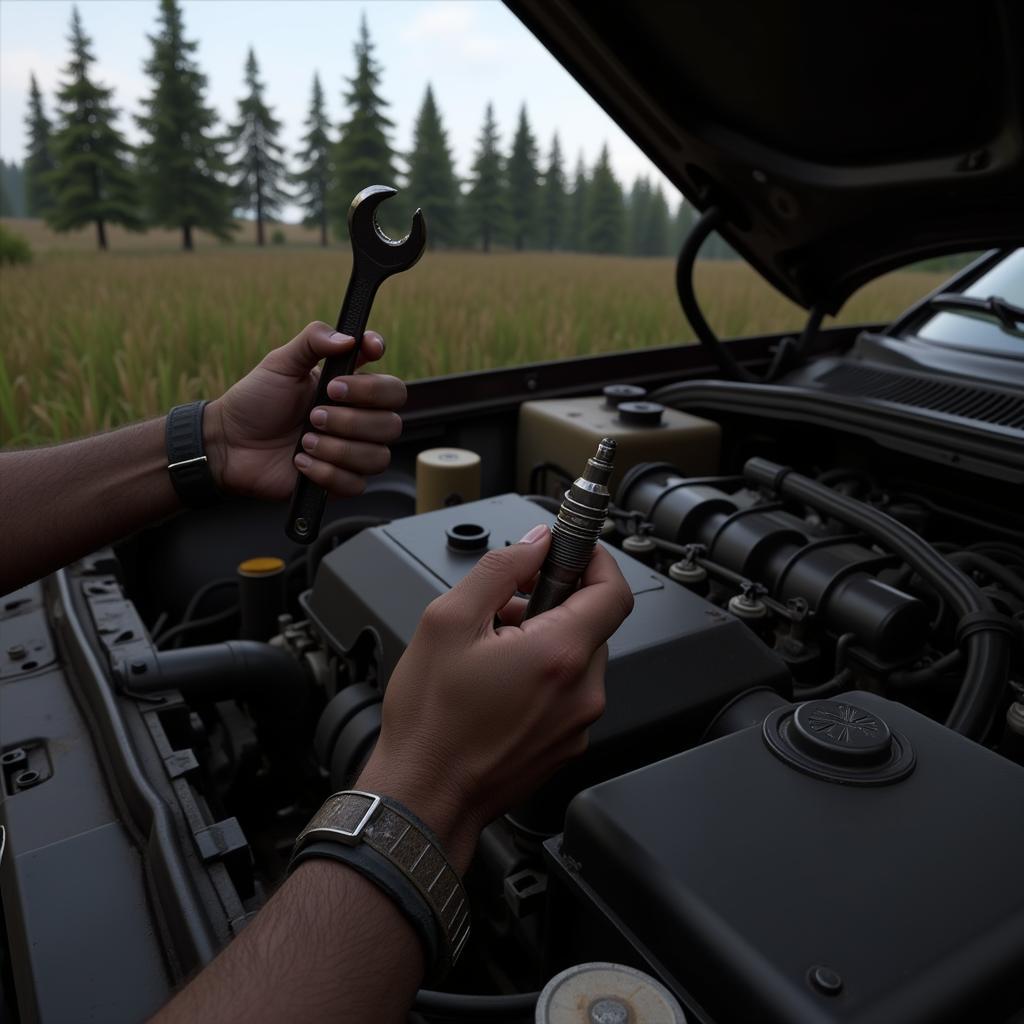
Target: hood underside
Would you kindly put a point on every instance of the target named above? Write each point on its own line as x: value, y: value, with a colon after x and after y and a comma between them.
x: 841, y: 139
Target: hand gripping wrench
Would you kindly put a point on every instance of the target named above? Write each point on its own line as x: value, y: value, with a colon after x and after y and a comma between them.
x: 375, y: 257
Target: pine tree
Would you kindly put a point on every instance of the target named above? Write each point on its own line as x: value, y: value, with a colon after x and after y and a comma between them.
x: 13, y: 178
x: 654, y: 231
x: 637, y: 206
x: 575, y: 232
x: 683, y: 221
x: 606, y: 214
x: 523, y: 188
x: 363, y: 155
x: 181, y: 162
x: 258, y: 167
x: 92, y: 181
x: 486, y: 202
x: 39, y: 159
x: 6, y: 208
x: 314, y: 178
x: 432, y: 183
x: 554, y: 199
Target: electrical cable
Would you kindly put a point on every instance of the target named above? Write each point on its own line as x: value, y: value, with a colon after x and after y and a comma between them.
x: 984, y: 634
x: 826, y: 689
x: 710, y: 220
x: 158, y: 625
x: 932, y: 506
x: 551, y: 505
x: 193, y: 606
x: 186, y: 627
x: 473, y: 1007
x: 1000, y: 548
x: 1000, y: 574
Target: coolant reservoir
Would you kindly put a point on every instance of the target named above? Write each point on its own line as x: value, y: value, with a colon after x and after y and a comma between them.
x: 563, y: 432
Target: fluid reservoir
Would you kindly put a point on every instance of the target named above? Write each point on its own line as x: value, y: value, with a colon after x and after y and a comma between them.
x: 445, y: 477
x: 563, y: 433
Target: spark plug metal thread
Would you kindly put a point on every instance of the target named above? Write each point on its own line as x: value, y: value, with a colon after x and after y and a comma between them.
x: 575, y: 532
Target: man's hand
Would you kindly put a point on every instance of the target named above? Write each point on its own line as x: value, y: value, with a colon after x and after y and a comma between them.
x: 250, y: 431
x: 476, y: 717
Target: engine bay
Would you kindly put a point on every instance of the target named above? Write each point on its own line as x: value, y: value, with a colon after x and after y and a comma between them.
x: 804, y: 800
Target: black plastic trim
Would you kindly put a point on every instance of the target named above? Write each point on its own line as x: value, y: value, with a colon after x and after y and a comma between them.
x: 466, y: 394
x: 989, y: 452
x: 193, y: 940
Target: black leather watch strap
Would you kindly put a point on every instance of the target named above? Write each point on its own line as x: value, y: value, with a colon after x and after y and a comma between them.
x: 186, y: 458
x: 391, y: 834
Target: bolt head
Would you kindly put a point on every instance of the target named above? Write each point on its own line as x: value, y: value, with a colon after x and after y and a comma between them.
x: 827, y: 981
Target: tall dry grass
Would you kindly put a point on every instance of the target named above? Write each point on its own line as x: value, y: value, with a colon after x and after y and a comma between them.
x: 90, y: 341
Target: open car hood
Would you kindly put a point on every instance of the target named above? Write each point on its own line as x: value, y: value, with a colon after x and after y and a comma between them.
x: 841, y: 139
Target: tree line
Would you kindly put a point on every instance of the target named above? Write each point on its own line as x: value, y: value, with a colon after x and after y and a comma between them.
x: 189, y: 174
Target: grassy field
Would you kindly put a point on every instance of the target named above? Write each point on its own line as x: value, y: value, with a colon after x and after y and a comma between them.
x: 92, y: 340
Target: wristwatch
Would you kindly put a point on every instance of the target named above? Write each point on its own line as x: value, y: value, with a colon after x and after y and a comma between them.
x: 186, y: 458
x: 391, y: 847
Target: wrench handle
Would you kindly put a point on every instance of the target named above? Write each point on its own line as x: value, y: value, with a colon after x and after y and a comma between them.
x: 309, y: 499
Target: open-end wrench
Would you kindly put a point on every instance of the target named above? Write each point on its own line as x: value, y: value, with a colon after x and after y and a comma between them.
x: 375, y: 257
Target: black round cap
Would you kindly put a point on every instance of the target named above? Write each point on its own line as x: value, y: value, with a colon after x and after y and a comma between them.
x: 836, y: 741
x: 641, y: 414
x: 614, y: 394
x: 468, y: 537
x: 839, y: 733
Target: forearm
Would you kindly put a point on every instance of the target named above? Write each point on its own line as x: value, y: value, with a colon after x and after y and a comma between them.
x: 328, y: 946
x: 58, y: 504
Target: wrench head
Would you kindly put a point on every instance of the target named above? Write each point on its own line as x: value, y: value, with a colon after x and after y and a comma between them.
x: 369, y: 242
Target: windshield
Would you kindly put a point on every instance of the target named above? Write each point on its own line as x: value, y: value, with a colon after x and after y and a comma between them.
x: 976, y: 331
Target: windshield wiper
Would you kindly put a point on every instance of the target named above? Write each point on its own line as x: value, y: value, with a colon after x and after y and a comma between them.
x: 1006, y: 314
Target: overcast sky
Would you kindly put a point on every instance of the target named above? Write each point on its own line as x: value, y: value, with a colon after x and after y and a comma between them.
x: 471, y: 51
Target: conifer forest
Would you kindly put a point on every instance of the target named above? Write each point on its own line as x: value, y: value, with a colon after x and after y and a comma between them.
x: 158, y: 272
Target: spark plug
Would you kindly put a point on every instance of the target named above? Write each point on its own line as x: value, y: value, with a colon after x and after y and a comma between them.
x: 575, y: 532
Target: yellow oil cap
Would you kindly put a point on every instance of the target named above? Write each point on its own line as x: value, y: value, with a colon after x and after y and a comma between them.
x: 261, y: 566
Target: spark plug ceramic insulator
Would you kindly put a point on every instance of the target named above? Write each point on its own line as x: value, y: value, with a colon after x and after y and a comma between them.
x: 575, y: 533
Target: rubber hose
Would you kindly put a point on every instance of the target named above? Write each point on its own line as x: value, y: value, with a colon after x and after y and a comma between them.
x: 922, y: 676
x: 473, y: 1007
x: 247, y: 669
x: 987, y: 646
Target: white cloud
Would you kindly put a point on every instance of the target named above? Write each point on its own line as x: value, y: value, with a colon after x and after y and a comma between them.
x: 17, y: 65
x: 452, y: 29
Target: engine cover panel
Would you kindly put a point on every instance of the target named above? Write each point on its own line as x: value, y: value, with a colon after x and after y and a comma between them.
x: 742, y: 876
x: 672, y: 663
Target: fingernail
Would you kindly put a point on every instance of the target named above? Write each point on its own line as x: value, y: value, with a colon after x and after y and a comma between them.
x: 309, y: 441
x: 337, y: 389
x: 338, y: 339
x: 318, y: 417
x: 534, y: 535
x: 303, y: 461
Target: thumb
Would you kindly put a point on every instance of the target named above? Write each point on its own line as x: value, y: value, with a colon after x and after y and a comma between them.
x: 306, y: 349
x: 497, y: 576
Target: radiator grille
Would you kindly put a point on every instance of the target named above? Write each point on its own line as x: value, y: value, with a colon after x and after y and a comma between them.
x: 963, y: 400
